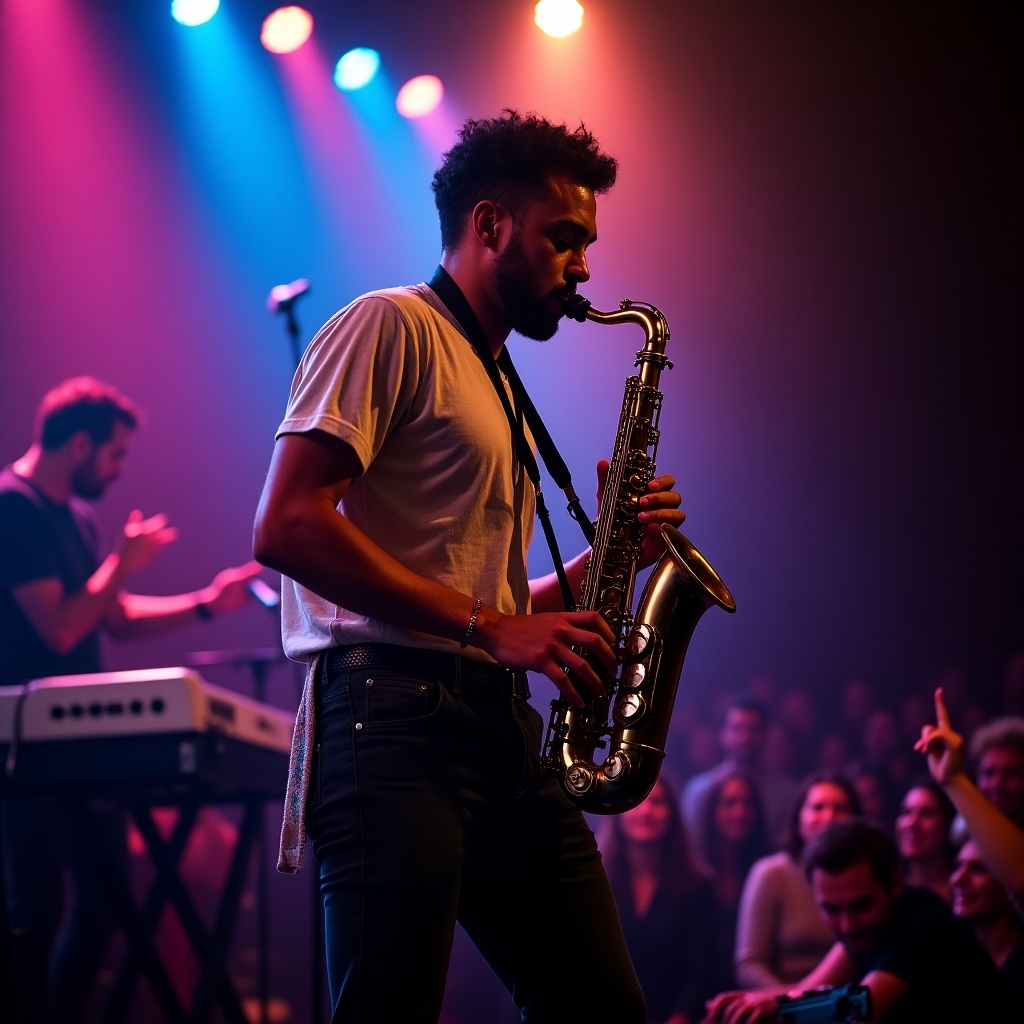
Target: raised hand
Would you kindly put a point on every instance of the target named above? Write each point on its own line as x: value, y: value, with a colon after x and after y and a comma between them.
x: 229, y: 590
x: 143, y: 540
x: 943, y: 746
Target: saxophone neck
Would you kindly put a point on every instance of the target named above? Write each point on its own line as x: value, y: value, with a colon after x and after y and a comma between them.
x: 651, y: 358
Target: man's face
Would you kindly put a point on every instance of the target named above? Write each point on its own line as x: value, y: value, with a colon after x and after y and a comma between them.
x: 854, y: 904
x: 544, y: 259
x: 101, y: 464
x: 743, y: 736
x: 977, y: 896
x: 1001, y: 779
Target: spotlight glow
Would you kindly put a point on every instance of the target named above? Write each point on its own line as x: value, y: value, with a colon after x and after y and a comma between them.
x: 419, y: 96
x: 356, y: 68
x: 558, y: 18
x: 193, y: 12
x: 286, y: 29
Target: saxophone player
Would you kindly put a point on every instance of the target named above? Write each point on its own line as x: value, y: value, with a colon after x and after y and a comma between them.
x: 399, y: 513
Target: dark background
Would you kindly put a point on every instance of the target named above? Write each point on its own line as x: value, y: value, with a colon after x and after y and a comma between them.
x: 824, y: 199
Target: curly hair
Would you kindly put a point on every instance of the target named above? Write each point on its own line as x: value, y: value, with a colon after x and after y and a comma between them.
x: 508, y: 159
x: 1000, y: 732
x: 83, y: 403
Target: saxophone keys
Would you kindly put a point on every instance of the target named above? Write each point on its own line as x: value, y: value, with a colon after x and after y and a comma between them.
x: 633, y: 677
x: 629, y: 706
x: 638, y: 640
x: 615, y: 767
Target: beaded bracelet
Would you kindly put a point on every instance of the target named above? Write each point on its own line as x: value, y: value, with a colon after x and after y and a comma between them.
x: 472, y: 623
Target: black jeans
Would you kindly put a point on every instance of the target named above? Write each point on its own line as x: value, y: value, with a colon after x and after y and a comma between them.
x: 427, y: 806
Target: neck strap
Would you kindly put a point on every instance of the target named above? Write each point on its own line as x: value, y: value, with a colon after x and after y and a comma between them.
x: 452, y: 296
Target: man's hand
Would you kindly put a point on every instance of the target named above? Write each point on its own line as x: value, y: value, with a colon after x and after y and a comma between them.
x: 742, y: 1007
x: 229, y: 590
x: 143, y: 540
x: 659, y: 505
x: 543, y: 642
x: 943, y: 747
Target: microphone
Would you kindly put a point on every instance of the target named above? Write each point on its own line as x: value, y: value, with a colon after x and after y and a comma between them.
x: 283, y: 296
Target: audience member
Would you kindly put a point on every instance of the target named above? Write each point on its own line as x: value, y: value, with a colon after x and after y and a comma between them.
x: 780, y: 751
x: 780, y: 936
x: 997, y: 750
x: 873, y: 790
x: 923, y: 836
x: 833, y: 753
x: 856, y: 701
x: 733, y: 828
x: 919, y: 962
x: 915, y: 713
x: 798, y: 714
x: 666, y: 904
x: 985, y: 905
x: 881, y: 747
x: 742, y: 740
x: 999, y: 837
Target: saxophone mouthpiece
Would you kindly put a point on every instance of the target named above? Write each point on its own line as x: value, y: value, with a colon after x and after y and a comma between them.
x: 576, y: 307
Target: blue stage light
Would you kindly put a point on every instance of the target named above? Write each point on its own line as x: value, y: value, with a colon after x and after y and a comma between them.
x: 356, y: 68
x: 193, y: 12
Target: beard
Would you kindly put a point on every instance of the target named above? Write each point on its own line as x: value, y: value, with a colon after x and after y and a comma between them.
x: 85, y: 483
x: 521, y: 303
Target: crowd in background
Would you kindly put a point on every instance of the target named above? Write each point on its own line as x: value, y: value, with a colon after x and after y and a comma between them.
x: 707, y: 871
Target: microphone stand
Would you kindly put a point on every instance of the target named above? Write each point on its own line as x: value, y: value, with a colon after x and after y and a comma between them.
x: 292, y: 326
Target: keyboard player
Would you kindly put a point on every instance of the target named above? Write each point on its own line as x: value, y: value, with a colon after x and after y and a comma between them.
x: 58, y: 591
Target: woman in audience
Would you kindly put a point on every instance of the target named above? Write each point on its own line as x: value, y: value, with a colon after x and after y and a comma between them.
x: 780, y: 936
x: 734, y: 827
x: 666, y: 905
x: 923, y: 837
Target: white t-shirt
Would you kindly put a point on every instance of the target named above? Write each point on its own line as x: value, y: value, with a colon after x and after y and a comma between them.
x: 393, y: 376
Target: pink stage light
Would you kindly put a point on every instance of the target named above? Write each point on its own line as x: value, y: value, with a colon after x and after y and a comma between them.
x: 419, y: 96
x: 559, y: 18
x: 286, y: 29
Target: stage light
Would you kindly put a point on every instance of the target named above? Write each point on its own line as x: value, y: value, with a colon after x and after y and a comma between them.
x: 419, y: 96
x: 193, y: 12
x: 286, y: 29
x: 558, y: 17
x: 356, y: 68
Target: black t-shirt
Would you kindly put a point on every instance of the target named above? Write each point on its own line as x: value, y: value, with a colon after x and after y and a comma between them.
x: 950, y: 976
x: 1012, y: 973
x: 40, y: 539
x: 673, y: 950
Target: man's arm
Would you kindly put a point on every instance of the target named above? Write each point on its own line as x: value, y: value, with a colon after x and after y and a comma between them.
x: 1001, y: 842
x: 837, y: 967
x: 300, y: 533
x: 63, y: 620
x: 139, y: 615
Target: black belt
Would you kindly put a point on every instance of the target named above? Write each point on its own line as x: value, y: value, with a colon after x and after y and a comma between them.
x: 450, y: 669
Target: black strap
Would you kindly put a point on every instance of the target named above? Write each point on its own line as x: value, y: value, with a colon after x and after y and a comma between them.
x: 451, y: 295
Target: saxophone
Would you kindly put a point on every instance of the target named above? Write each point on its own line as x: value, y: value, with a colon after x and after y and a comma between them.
x: 652, y: 643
